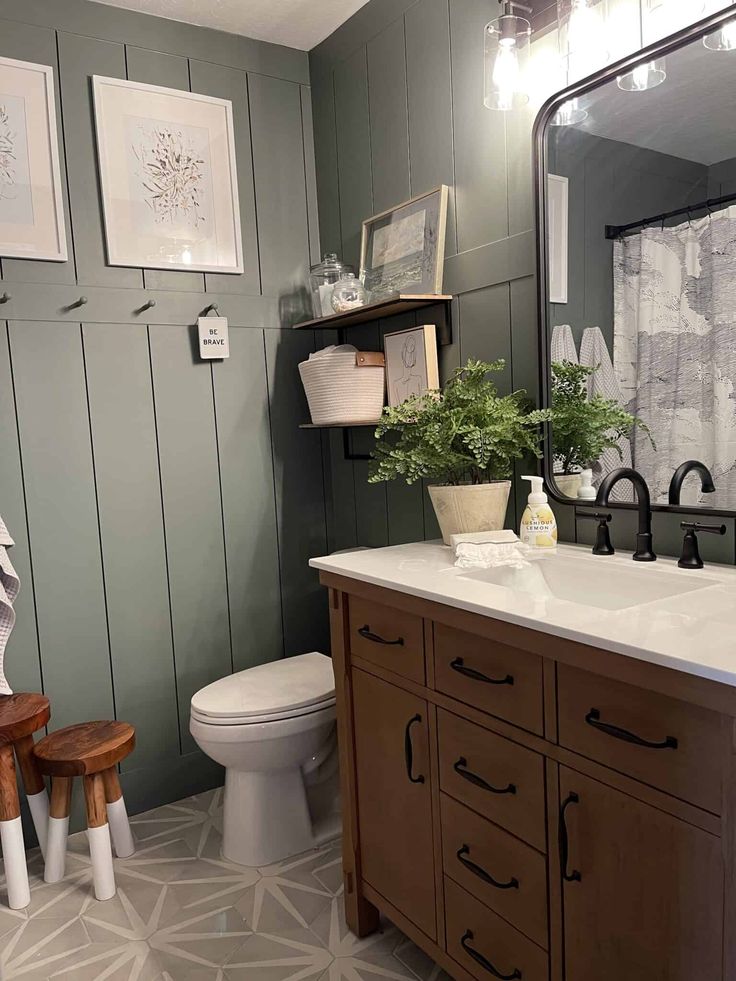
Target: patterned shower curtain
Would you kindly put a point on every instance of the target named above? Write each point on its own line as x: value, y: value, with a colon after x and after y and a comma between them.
x: 675, y: 350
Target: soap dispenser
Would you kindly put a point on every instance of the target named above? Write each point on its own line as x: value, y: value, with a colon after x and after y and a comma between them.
x: 538, y: 524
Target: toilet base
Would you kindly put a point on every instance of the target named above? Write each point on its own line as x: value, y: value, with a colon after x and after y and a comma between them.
x: 266, y: 817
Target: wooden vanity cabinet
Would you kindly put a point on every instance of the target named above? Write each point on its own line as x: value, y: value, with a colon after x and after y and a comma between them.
x: 549, y: 812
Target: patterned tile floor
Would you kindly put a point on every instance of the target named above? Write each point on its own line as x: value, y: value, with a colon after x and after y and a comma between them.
x: 183, y: 913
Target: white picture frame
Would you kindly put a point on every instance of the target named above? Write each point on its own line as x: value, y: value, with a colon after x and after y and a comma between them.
x: 143, y: 133
x: 557, y: 236
x: 412, y: 367
x: 32, y: 224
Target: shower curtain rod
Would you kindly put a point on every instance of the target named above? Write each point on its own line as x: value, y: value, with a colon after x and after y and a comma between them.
x: 615, y: 231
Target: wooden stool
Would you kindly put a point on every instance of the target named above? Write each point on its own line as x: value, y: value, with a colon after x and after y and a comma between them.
x: 90, y: 750
x: 20, y: 716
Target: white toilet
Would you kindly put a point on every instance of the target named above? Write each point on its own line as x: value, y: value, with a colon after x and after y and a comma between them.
x: 273, y: 729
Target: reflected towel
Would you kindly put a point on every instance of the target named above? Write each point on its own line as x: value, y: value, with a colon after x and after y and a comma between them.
x: 594, y: 353
x: 9, y: 588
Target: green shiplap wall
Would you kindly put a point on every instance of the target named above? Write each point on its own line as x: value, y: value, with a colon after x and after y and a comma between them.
x: 164, y: 509
x: 398, y: 109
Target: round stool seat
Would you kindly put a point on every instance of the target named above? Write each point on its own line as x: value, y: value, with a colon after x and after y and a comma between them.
x: 22, y: 714
x: 83, y: 749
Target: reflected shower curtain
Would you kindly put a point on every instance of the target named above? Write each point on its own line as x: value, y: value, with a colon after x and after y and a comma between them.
x: 675, y: 350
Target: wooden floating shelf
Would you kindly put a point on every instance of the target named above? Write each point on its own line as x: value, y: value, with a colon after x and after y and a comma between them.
x: 400, y: 303
x: 340, y: 425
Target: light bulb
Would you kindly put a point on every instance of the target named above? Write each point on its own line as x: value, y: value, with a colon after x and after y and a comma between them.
x: 569, y: 114
x: 506, y: 73
x: 723, y: 40
x: 586, y: 47
x: 648, y: 75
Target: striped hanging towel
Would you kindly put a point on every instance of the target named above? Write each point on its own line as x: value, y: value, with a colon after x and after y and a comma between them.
x: 9, y: 588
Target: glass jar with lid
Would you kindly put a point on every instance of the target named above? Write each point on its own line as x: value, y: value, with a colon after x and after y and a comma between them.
x: 348, y: 293
x: 322, y: 278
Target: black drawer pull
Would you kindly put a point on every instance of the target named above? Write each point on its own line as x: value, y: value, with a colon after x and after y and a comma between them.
x: 460, y: 767
x: 484, y: 962
x: 369, y: 635
x: 459, y: 665
x: 593, y: 718
x: 481, y: 873
x: 409, y: 750
x: 563, y: 842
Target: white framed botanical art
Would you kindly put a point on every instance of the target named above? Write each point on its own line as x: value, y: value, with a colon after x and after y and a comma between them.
x: 169, y: 177
x: 31, y: 200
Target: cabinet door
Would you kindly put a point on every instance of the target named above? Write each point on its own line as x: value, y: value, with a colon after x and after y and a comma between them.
x: 394, y: 797
x: 643, y: 891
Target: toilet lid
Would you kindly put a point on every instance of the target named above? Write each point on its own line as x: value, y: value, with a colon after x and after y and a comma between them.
x: 279, y: 689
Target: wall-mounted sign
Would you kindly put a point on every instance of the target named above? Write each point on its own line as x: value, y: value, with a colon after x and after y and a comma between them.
x: 214, y: 341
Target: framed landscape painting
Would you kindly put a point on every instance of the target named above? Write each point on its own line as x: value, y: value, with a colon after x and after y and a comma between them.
x: 169, y: 179
x: 31, y: 199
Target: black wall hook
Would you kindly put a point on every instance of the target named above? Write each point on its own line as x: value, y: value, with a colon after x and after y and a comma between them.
x: 5, y: 298
x: 148, y: 305
x: 209, y: 309
x: 77, y: 303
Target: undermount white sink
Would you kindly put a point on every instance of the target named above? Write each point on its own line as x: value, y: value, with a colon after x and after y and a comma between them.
x: 600, y: 582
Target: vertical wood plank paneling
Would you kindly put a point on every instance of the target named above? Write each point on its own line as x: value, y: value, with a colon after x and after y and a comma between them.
x: 22, y: 662
x: 430, y: 104
x: 519, y: 168
x: 187, y: 440
x: 228, y: 83
x: 325, y: 150
x: 353, y: 151
x: 156, y: 68
x: 38, y: 44
x: 132, y: 534
x: 310, y: 176
x: 486, y: 318
x: 389, y: 117
x: 249, y: 512
x: 278, y: 157
x: 48, y: 370
x: 480, y: 134
x: 79, y: 59
x: 299, y: 495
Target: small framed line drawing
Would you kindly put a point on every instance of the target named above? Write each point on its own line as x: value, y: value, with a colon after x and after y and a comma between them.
x: 411, y: 363
x: 31, y: 200
x: 557, y: 221
x: 169, y: 179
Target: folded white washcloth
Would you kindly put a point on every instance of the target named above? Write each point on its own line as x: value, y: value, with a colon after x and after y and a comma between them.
x: 9, y: 588
x: 501, y: 537
x: 471, y: 555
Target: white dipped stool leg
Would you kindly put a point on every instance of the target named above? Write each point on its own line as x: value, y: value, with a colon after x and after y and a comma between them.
x: 35, y: 789
x: 11, y: 833
x: 117, y: 815
x: 98, y: 833
x: 58, y: 829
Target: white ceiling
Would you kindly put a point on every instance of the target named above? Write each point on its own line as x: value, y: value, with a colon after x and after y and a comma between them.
x: 298, y: 24
x: 692, y: 115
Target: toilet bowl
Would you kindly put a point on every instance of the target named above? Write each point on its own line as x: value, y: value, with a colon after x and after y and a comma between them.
x: 273, y: 729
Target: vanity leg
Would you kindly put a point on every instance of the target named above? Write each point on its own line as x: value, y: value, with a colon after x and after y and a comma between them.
x: 58, y: 828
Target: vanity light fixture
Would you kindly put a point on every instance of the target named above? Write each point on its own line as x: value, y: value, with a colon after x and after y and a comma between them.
x: 648, y: 75
x: 506, y: 49
x: 582, y: 36
x: 723, y: 40
x: 569, y: 114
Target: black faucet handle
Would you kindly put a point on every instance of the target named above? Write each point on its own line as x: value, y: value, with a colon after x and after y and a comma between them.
x: 690, y: 557
x: 603, y: 544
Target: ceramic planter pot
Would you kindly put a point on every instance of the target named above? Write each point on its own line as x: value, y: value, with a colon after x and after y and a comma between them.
x: 465, y: 508
x: 568, y: 484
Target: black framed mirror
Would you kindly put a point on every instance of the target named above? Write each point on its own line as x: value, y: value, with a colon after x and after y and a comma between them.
x: 635, y: 171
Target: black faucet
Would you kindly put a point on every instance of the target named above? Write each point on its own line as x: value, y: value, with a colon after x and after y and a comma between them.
x: 644, y: 551
x: 706, y: 479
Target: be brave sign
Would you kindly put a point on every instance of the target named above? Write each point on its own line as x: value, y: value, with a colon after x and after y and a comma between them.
x: 214, y: 341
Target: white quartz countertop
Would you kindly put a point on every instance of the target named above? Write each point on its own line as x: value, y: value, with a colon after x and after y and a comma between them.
x: 654, y: 611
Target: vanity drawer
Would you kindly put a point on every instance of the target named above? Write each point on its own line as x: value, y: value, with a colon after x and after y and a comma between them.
x: 495, y: 678
x: 659, y: 740
x: 484, y: 944
x: 388, y: 637
x: 493, y: 776
x: 498, y: 869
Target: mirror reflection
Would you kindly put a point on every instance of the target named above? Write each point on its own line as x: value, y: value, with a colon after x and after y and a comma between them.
x: 641, y: 206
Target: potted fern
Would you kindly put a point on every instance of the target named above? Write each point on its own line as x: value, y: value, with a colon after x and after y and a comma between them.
x: 465, y: 439
x: 583, y: 427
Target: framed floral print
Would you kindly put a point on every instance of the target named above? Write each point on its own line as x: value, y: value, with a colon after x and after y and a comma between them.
x: 169, y: 178
x: 31, y: 200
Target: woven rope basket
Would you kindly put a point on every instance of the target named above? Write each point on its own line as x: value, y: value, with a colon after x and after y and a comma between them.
x: 343, y: 385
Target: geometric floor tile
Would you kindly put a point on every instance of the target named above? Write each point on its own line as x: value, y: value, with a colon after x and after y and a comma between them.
x: 183, y: 913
